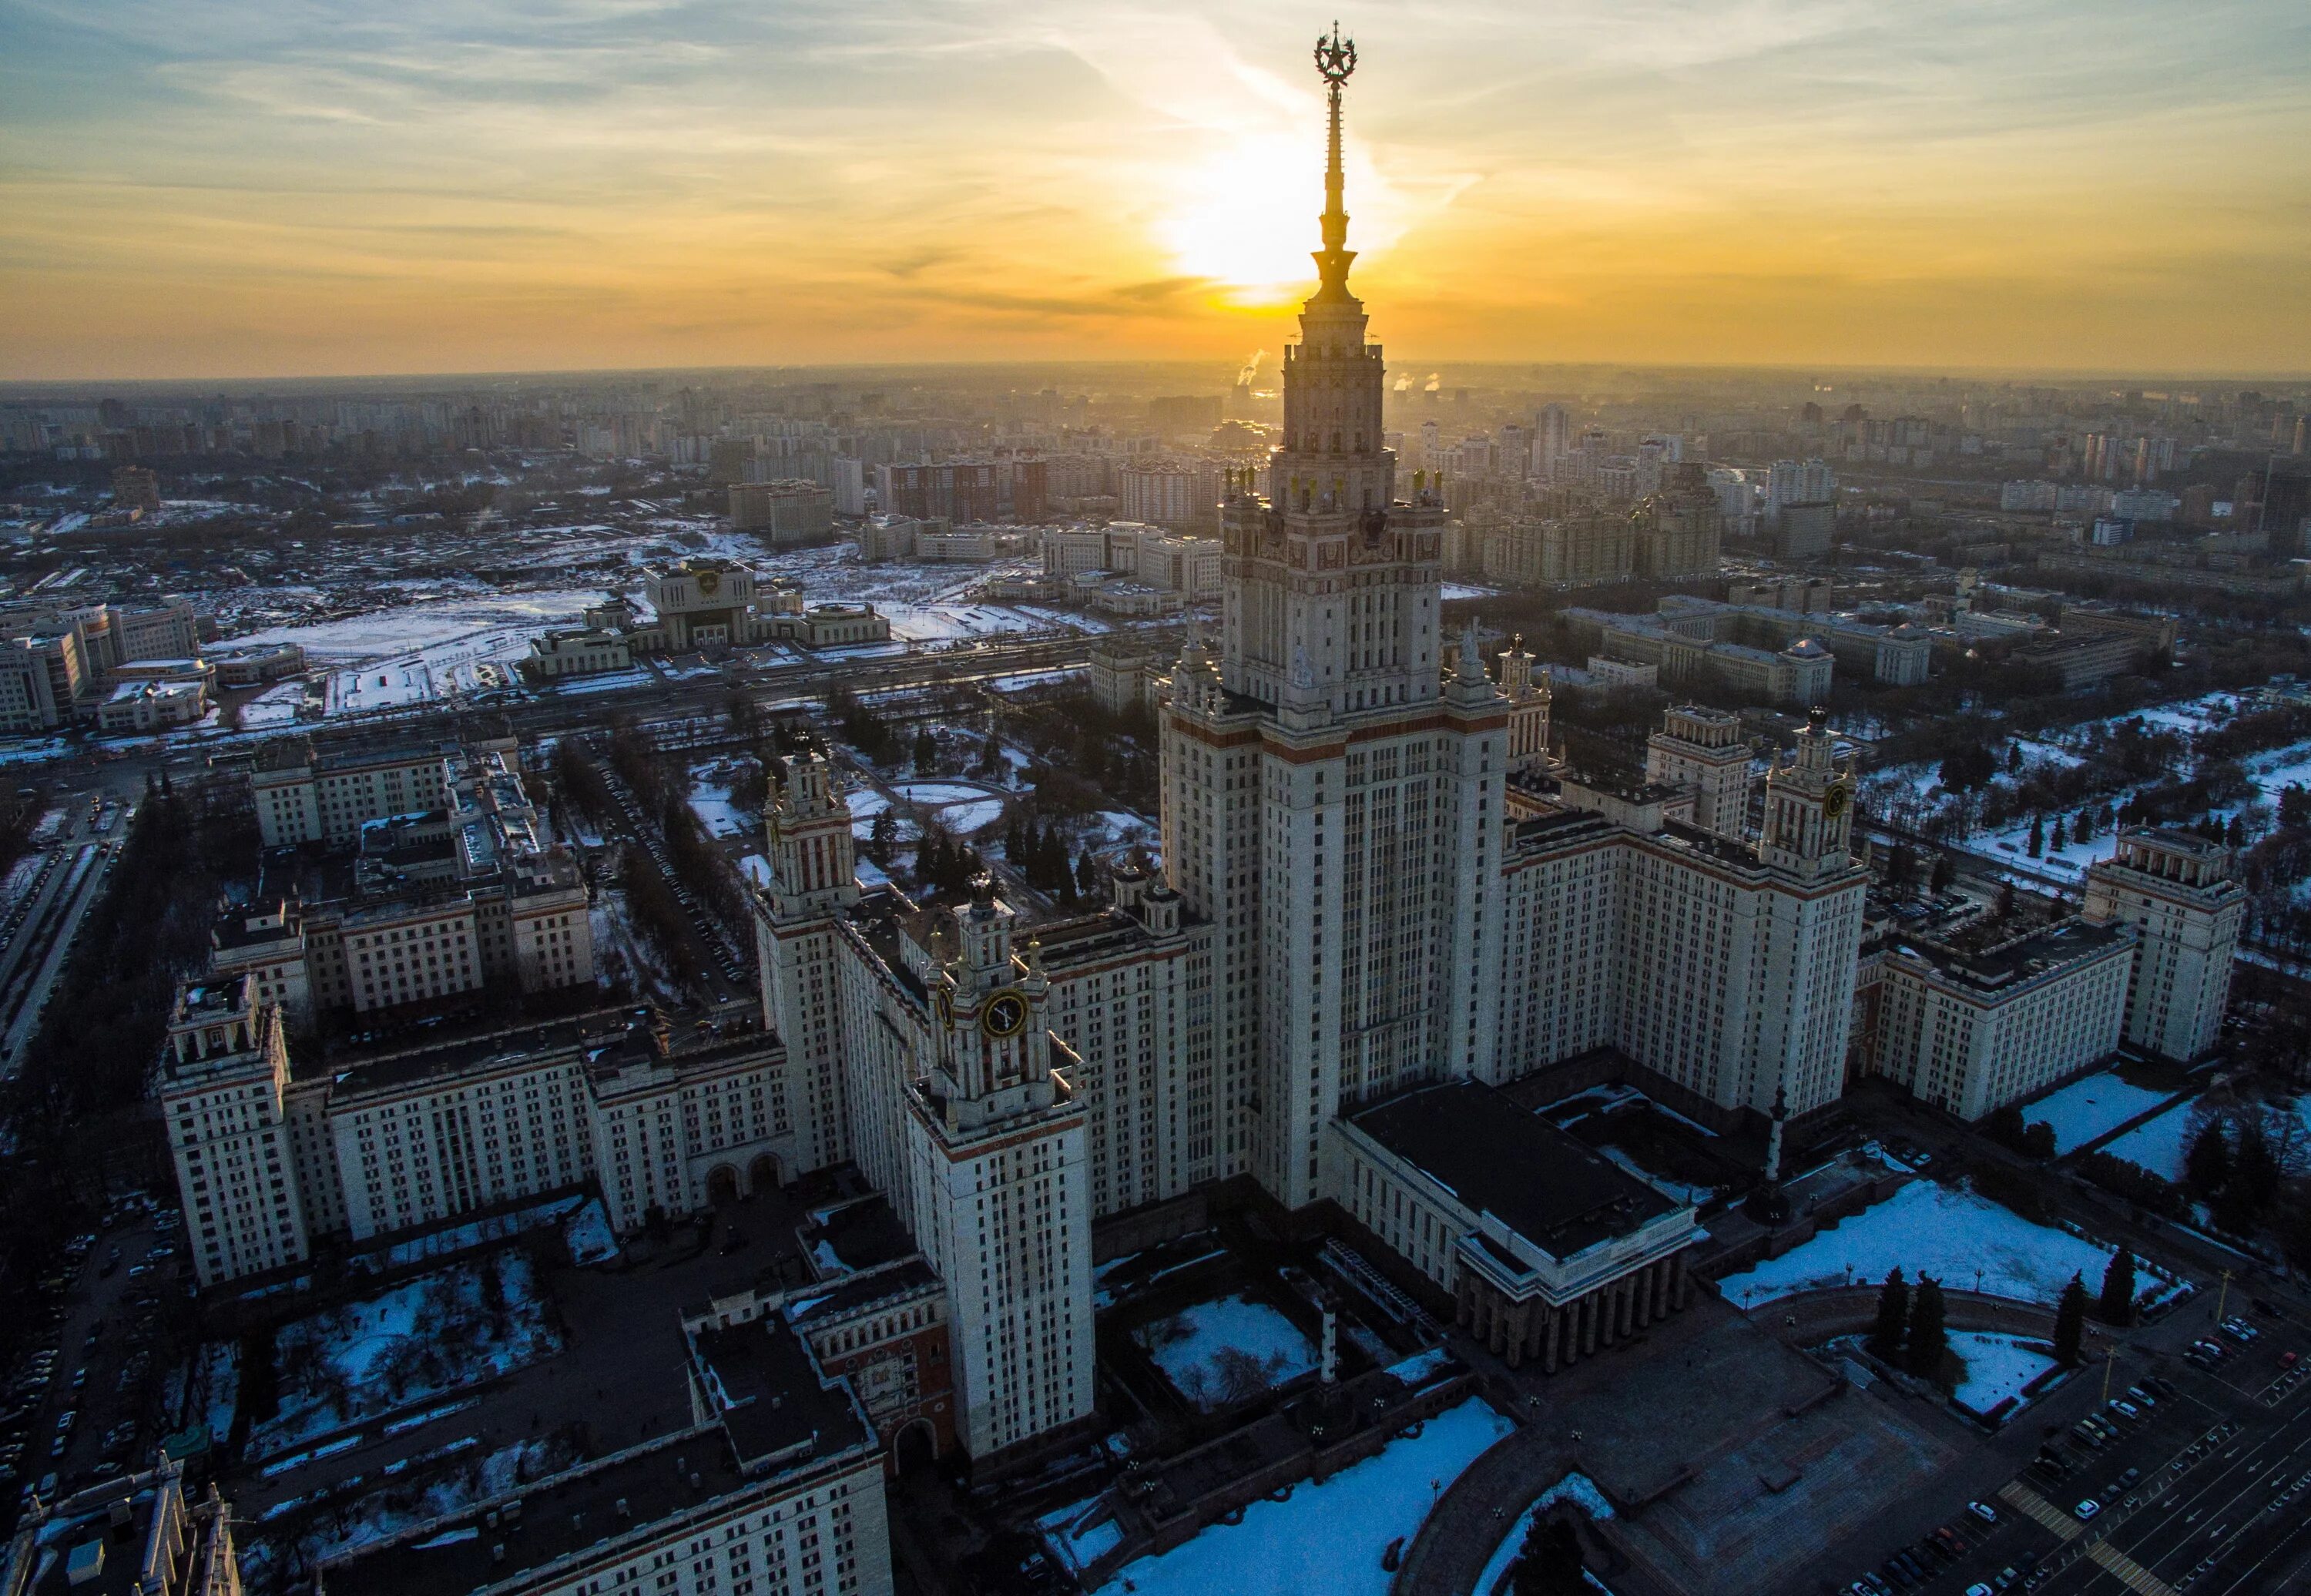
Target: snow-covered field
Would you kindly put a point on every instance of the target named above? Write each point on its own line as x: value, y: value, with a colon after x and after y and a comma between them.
x: 476, y: 662
x: 2090, y: 1108
x: 384, y: 634
x: 2158, y: 1145
x: 1997, y: 1366
x: 1341, y: 1525
x: 1216, y: 1354
x: 1962, y: 1240
x: 423, y: 1338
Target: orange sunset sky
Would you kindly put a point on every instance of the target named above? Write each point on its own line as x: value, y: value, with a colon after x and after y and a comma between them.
x: 195, y: 189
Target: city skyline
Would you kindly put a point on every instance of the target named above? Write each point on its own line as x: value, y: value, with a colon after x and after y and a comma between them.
x: 253, y: 194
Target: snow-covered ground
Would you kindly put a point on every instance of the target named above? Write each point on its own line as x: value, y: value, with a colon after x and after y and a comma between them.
x: 2158, y: 1145
x: 473, y: 662
x: 1578, y: 1490
x: 710, y: 800
x: 1080, y: 1533
x: 425, y: 1338
x: 1962, y: 1240
x: 2090, y: 1108
x: 405, y: 629
x: 1219, y: 1353
x: 962, y: 806
x: 588, y: 1232
x: 1341, y: 1525
x: 1997, y: 1366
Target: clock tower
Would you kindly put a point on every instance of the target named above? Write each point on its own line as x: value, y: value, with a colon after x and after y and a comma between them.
x: 999, y: 1182
x: 1810, y: 807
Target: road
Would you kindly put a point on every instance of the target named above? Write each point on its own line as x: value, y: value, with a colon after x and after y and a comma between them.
x: 123, y: 774
x: 41, y: 929
x: 2230, y: 1525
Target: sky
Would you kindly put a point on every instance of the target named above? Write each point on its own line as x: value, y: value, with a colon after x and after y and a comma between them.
x: 195, y: 189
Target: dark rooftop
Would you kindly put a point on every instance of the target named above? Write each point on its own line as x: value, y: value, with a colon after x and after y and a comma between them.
x: 847, y: 1296
x: 776, y: 1405
x: 840, y: 1239
x: 1991, y: 966
x: 782, y: 1419
x: 1496, y: 1157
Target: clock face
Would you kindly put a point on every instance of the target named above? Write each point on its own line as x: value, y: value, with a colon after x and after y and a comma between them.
x: 1006, y: 1014
x: 1833, y: 802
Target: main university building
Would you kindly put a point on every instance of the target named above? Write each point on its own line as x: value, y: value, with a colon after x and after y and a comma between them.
x: 1379, y: 901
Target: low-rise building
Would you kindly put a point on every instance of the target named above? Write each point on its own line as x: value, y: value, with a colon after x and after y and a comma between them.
x: 576, y: 651
x: 1549, y: 1251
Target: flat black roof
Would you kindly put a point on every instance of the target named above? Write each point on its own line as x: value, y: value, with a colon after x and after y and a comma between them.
x: 1496, y: 1157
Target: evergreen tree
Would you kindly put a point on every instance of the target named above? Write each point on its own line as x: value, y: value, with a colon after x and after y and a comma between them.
x: 2070, y: 1322
x: 1550, y: 1562
x: 2117, y: 1306
x: 2207, y: 1167
x: 1893, y: 1315
x: 2257, y: 1171
x: 2235, y: 1211
x: 2038, y: 836
x: 1929, y: 1334
x: 2004, y: 1125
x: 2062, y: 835
x: 2084, y: 830
x: 2007, y: 900
x: 2038, y: 1140
x: 926, y: 752
x: 2014, y: 759
x: 1901, y: 867
x: 1945, y: 871
x: 882, y: 837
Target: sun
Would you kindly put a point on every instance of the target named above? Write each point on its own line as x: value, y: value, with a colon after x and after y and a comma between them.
x: 1245, y: 218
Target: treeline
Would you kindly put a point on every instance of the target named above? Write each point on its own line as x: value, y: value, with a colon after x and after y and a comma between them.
x: 1090, y: 753
x: 1038, y: 849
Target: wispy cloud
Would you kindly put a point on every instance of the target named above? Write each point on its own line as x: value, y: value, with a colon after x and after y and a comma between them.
x: 338, y: 183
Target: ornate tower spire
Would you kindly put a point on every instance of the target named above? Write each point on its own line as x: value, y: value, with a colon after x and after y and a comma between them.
x: 1336, y: 58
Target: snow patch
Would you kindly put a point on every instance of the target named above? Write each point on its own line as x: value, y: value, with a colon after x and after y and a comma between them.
x: 1341, y: 1525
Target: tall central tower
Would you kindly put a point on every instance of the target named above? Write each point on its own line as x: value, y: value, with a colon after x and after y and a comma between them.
x: 1331, y: 803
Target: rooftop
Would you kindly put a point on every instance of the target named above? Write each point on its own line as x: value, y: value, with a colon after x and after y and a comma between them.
x: 1496, y: 1158
x: 1996, y: 967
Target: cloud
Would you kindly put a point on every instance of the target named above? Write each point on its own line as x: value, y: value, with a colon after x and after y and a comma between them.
x: 984, y: 177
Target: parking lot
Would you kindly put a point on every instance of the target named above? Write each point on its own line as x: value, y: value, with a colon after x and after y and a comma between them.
x: 2180, y: 1464
x: 84, y: 1402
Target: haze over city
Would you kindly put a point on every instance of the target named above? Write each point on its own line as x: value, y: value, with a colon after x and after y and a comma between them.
x: 230, y: 189
x: 1017, y: 800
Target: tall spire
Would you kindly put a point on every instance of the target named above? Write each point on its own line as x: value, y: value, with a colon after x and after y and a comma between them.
x: 1336, y: 58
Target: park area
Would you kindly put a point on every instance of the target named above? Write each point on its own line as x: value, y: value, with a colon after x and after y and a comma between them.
x: 1217, y: 1354
x: 1948, y: 1233
x: 414, y: 1343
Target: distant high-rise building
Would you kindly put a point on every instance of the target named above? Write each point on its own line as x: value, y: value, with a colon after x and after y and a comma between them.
x: 135, y: 488
x: 1552, y: 438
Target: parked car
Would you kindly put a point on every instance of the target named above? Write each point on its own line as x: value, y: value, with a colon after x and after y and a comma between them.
x: 2087, y: 1509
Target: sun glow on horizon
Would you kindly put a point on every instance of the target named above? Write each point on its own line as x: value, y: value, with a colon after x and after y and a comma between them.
x: 1247, y: 217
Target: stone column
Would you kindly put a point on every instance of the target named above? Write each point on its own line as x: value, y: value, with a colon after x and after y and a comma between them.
x: 1676, y: 1271
x: 1641, y: 1289
x: 1589, y: 1317
x: 1551, y: 1331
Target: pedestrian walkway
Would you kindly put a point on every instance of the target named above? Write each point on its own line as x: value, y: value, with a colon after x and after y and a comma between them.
x: 2026, y: 1500
x: 2136, y: 1576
